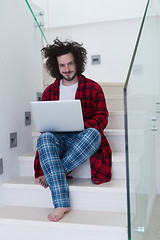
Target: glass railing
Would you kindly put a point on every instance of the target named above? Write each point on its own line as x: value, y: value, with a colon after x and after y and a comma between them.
x: 142, y: 99
x: 37, y: 14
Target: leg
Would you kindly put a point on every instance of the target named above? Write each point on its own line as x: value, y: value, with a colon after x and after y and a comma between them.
x: 82, y: 148
x: 50, y: 148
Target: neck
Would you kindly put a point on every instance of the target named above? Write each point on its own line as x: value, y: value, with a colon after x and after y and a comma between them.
x: 70, y: 83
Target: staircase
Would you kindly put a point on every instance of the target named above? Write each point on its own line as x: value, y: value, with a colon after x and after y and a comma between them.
x: 98, y: 211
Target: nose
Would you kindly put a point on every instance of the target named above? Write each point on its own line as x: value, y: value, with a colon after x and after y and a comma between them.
x: 67, y: 68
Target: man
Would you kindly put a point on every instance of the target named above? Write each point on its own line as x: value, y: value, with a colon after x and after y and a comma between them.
x: 60, y: 153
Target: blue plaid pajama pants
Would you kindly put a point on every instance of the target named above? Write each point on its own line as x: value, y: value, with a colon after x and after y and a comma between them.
x: 60, y: 153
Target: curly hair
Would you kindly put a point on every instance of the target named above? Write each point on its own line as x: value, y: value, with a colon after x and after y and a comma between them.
x: 58, y: 48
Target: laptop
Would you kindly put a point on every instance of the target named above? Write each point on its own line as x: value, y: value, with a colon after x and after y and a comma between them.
x: 57, y: 116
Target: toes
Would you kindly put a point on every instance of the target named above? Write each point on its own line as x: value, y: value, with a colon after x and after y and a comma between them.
x: 42, y: 183
x: 53, y: 218
x: 45, y: 185
x: 50, y: 218
x: 57, y: 214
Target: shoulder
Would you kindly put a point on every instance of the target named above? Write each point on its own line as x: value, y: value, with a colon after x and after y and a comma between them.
x: 50, y: 90
x: 52, y: 86
x: 93, y: 84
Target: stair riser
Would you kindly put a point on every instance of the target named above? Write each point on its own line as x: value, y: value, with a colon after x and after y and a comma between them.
x: 115, y: 121
x: 118, y: 170
x: 28, y: 231
x: 80, y: 200
x: 117, y: 143
x: 112, y: 90
x: 115, y: 104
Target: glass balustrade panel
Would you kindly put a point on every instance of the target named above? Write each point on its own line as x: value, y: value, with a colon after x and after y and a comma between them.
x: 142, y: 92
x: 37, y: 13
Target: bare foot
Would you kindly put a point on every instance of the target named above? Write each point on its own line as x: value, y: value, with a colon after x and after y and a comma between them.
x: 58, y: 213
x: 42, y: 181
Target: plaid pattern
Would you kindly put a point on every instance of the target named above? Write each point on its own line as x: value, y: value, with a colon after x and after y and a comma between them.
x: 60, y: 153
x: 95, y: 115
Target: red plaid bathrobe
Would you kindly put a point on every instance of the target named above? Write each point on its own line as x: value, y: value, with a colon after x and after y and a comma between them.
x: 95, y: 115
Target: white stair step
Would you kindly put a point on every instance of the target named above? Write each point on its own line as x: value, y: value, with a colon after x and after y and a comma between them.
x: 115, y: 103
x: 116, y: 120
x: 118, y: 166
x: 84, y: 171
x: 112, y: 89
x: 27, y: 164
x: 84, y: 195
x: 29, y: 223
x: 114, y: 132
x: 116, y: 139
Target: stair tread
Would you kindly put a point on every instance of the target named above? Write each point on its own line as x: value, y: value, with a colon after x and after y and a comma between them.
x: 115, y: 132
x: 118, y: 112
x: 35, y: 216
x: 114, y: 97
x: 75, y: 184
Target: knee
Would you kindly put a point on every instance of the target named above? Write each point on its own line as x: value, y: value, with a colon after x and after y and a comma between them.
x: 95, y: 134
x: 45, y: 137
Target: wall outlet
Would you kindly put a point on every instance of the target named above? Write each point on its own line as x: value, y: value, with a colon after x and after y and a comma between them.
x: 27, y: 118
x: 13, y: 140
x: 1, y: 165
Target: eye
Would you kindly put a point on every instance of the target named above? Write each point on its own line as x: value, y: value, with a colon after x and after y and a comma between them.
x: 70, y: 63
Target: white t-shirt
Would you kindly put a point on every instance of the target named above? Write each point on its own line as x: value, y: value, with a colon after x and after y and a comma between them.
x: 67, y: 92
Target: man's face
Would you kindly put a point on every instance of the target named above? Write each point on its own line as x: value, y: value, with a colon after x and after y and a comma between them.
x: 67, y: 66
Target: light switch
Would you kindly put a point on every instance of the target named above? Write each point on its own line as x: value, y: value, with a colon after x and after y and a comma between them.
x: 39, y: 96
x: 13, y: 140
x: 95, y: 59
x: 27, y: 118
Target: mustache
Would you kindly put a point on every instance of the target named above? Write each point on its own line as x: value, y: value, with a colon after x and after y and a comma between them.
x: 68, y: 72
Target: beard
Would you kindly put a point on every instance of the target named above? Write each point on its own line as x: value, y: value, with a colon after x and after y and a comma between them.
x: 69, y: 78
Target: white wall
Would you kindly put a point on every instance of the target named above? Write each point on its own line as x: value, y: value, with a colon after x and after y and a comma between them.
x: 113, y: 40
x: 88, y: 11
x: 60, y: 13
x: 105, y: 27
x: 20, y: 77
